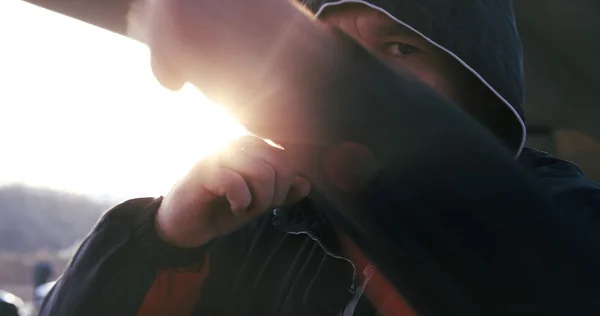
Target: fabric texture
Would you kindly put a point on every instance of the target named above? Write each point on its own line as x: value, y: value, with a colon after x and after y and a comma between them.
x: 481, y: 34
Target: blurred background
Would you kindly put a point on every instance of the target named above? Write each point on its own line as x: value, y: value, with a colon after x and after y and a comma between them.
x: 83, y: 123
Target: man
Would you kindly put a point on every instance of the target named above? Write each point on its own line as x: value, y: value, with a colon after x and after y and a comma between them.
x: 414, y: 207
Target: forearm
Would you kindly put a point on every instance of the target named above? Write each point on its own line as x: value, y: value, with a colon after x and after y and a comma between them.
x: 326, y: 88
x: 452, y: 221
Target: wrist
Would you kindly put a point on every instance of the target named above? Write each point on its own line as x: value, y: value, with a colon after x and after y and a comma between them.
x: 177, y: 235
x: 162, y: 254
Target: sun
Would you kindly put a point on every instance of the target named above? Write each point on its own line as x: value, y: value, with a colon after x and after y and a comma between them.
x: 194, y: 127
x: 81, y: 110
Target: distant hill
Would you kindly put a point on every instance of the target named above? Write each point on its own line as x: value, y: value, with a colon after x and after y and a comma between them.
x: 34, y: 219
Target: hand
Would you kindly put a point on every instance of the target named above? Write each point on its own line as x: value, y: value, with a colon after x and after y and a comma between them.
x: 225, y: 48
x: 223, y: 192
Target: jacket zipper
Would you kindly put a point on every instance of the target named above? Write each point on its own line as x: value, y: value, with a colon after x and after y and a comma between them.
x: 356, y: 291
x: 330, y: 253
x: 350, y: 308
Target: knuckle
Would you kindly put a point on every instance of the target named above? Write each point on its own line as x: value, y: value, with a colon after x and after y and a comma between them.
x: 262, y: 173
x: 287, y: 175
x: 223, y: 181
x: 232, y: 180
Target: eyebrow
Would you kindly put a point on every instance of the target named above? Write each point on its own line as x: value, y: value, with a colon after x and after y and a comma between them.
x: 395, y: 29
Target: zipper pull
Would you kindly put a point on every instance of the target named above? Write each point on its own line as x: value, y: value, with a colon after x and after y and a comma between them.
x: 352, y: 289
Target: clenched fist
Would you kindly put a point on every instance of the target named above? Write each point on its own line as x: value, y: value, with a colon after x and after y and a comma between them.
x: 225, y: 48
x: 223, y: 192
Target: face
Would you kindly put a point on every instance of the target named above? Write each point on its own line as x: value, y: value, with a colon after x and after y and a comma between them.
x: 402, y: 48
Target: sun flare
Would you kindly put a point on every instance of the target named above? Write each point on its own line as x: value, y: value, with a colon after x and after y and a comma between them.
x: 81, y: 111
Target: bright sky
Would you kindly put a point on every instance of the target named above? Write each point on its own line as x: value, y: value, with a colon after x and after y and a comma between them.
x: 81, y: 111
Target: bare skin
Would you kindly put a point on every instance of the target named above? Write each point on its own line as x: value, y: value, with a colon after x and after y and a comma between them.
x: 225, y: 191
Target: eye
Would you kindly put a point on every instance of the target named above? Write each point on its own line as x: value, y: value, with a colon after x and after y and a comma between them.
x: 398, y: 49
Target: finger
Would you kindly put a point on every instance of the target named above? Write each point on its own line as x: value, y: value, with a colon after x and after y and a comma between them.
x: 299, y: 190
x: 259, y: 176
x: 276, y: 158
x: 229, y: 184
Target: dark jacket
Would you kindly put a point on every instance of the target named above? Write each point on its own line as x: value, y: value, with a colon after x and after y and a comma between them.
x: 285, y: 263
x: 452, y: 221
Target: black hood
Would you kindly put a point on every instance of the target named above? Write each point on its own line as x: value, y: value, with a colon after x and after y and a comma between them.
x: 480, y: 34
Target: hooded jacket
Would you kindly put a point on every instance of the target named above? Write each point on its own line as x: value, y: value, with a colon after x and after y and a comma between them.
x: 480, y: 35
x: 454, y: 224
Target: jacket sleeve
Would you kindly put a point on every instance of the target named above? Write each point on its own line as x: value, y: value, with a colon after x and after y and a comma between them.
x: 571, y: 190
x: 495, y: 240
x: 124, y: 268
x: 450, y: 219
